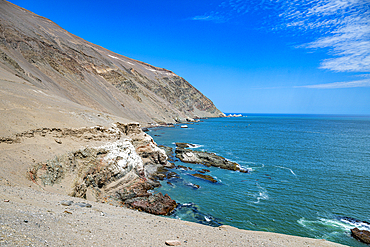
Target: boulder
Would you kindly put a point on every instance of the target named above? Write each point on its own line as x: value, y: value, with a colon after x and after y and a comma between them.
x: 206, y: 177
x: 182, y: 145
x: 158, y: 204
x: 361, y: 235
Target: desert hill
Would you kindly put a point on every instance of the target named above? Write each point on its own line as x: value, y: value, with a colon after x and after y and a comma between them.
x: 48, y: 73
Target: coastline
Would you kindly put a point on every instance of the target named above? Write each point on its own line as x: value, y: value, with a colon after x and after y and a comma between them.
x: 33, y: 214
x: 31, y: 217
x: 328, y: 226
x: 67, y: 130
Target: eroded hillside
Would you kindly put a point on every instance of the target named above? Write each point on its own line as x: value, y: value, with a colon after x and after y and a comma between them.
x: 47, y: 59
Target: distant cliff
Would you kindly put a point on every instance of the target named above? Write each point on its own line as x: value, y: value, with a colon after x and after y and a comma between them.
x: 55, y: 63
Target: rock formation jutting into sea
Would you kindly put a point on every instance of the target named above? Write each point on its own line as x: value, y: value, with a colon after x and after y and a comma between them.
x: 80, y: 107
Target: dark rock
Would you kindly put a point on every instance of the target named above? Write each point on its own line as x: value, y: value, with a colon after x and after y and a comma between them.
x: 184, y: 167
x: 207, y: 159
x: 172, y: 175
x: 182, y: 145
x: 163, y: 172
x: 361, y: 235
x: 204, y: 171
x: 206, y: 177
x: 158, y: 204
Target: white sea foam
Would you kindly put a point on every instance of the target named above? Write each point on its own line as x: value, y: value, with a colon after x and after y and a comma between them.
x: 262, y: 194
x: 282, y: 167
x: 219, y: 180
x: 243, y: 168
x: 342, y: 224
x: 251, y: 166
x: 358, y: 224
x: 195, y: 145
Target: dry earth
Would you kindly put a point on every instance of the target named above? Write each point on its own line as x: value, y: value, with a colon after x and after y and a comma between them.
x: 37, y: 218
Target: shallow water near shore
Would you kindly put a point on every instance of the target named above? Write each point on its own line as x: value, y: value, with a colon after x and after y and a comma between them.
x: 308, y: 174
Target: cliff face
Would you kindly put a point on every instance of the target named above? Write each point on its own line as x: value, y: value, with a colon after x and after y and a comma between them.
x: 36, y: 55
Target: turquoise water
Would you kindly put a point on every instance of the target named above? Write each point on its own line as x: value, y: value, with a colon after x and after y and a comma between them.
x: 307, y: 173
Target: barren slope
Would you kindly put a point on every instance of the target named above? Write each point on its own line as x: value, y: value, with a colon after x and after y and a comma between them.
x: 42, y: 66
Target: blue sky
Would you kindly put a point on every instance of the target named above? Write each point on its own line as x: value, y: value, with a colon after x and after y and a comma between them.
x: 251, y: 56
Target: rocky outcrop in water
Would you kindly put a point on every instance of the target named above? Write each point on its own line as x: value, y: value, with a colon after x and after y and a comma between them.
x: 361, y: 235
x: 205, y: 158
x: 119, y: 172
x: 205, y: 177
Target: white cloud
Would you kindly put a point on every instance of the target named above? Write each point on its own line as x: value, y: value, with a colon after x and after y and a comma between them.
x: 351, y: 84
x: 341, y: 26
x: 212, y: 16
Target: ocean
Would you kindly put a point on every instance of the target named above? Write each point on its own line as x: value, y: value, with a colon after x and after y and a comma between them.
x: 308, y: 174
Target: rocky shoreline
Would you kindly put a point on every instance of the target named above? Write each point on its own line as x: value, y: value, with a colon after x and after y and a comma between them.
x: 116, y: 168
x: 120, y: 172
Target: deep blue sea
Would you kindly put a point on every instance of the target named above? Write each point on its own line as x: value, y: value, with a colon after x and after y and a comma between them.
x: 309, y: 174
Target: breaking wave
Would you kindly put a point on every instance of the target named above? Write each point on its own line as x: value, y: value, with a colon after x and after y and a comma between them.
x: 262, y: 194
x: 338, y: 223
x: 282, y: 167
